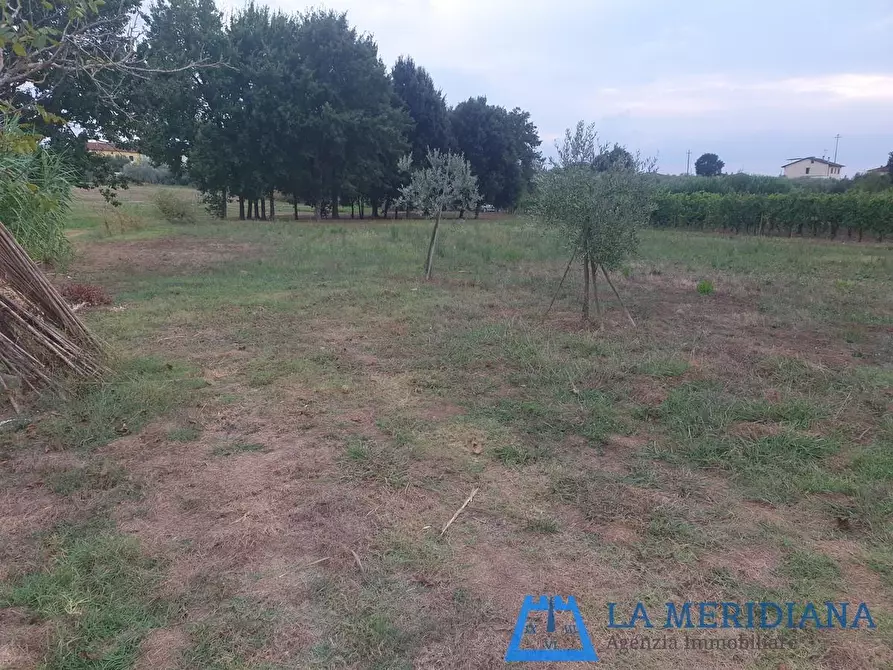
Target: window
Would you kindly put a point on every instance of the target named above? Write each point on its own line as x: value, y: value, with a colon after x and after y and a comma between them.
x: 807, y: 170
x: 131, y: 158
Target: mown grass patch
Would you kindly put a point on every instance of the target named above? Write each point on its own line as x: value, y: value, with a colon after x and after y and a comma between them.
x: 141, y: 389
x: 95, y: 588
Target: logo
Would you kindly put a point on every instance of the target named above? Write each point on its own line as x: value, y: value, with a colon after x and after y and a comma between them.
x: 550, y: 629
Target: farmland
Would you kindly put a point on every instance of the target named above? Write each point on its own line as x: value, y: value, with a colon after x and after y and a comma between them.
x: 294, y: 415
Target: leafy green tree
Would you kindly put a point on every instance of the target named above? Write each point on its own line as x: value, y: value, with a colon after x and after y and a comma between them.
x: 501, y: 147
x: 599, y: 206
x: 615, y: 158
x: 73, y: 63
x: 66, y: 54
x: 426, y: 106
x: 446, y: 183
x: 709, y: 165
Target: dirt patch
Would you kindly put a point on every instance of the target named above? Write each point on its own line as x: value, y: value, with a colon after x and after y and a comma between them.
x: 754, y: 563
x: 752, y: 430
x: 862, y: 584
x: 30, y: 507
x: 161, y: 649
x: 22, y: 642
x: 159, y: 256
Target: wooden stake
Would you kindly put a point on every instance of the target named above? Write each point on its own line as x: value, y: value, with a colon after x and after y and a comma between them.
x: 586, y: 287
x: 563, y: 277
x: 12, y: 400
x: 459, y: 511
x: 598, y: 305
x: 611, y: 284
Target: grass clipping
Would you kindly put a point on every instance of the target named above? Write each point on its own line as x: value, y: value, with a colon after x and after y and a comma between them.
x: 41, y: 339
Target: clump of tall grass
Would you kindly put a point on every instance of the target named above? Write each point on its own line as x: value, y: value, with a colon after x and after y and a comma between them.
x: 35, y: 194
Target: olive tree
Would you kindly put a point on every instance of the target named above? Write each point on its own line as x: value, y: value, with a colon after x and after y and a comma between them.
x: 598, y: 205
x: 446, y: 183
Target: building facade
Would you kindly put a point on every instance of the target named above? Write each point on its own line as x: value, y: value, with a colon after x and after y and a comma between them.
x: 812, y: 168
x: 111, y: 151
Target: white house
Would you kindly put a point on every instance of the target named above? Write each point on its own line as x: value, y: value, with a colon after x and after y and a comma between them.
x: 812, y: 167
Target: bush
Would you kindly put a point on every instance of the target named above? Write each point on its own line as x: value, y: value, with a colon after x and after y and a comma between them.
x: 705, y: 287
x: 87, y: 294
x: 146, y: 173
x: 173, y: 209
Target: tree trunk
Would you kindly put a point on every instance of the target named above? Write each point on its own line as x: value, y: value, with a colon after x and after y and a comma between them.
x: 387, y: 208
x: 429, y: 263
x: 223, y: 206
x: 598, y: 305
x: 586, y: 287
x: 362, y: 210
x: 461, y: 213
x: 272, y: 205
x: 477, y: 213
x: 241, y: 207
x: 263, y: 208
x: 256, y: 210
x: 335, y: 213
x: 375, y: 209
x: 296, y: 208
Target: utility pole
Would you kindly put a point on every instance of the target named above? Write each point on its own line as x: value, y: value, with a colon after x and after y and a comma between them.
x: 836, y: 142
x: 688, y: 162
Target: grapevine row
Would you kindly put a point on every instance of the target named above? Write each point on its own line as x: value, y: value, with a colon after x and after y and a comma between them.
x: 854, y: 214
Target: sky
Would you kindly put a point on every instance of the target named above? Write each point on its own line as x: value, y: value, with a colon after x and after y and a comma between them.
x: 756, y: 81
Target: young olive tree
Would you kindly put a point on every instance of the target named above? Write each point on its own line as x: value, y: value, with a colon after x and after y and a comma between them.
x: 446, y: 183
x: 599, y: 204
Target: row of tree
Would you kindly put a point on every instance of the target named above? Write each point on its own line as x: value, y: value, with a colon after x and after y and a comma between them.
x: 798, y: 212
x: 303, y: 105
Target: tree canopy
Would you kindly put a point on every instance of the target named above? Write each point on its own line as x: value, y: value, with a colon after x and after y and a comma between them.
x: 598, y: 204
x: 501, y: 147
x: 709, y: 165
x: 305, y: 107
x: 426, y: 106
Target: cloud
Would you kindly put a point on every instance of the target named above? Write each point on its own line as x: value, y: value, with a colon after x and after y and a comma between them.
x: 721, y: 94
x: 661, y: 77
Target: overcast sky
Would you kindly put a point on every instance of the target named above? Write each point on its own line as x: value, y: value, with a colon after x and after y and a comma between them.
x: 756, y: 81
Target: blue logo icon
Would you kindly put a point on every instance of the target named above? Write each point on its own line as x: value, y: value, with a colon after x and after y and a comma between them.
x: 531, y: 643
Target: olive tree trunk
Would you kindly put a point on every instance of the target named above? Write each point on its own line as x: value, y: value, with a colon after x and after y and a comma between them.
x: 429, y: 264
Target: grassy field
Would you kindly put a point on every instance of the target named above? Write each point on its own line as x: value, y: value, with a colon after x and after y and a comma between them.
x: 295, y: 414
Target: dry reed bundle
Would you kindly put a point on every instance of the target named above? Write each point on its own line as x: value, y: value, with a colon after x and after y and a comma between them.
x: 41, y: 339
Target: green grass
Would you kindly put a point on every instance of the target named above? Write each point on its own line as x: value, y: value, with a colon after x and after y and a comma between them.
x: 387, y: 464
x: 92, y: 477
x: 140, y: 390
x: 664, y: 367
x: 184, y: 434
x: 95, y: 590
